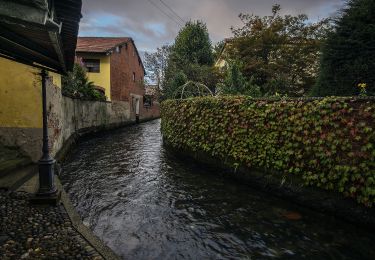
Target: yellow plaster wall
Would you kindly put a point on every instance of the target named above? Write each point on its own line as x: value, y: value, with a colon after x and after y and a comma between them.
x: 56, y: 78
x: 20, y: 95
x: 103, y: 78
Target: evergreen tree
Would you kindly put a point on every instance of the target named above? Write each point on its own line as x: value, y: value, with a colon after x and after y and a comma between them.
x: 191, y: 55
x: 348, y: 57
x: 192, y: 45
x: 76, y: 84
x: 236, y: 84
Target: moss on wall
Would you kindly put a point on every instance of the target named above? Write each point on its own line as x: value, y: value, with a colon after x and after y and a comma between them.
x: 328, y: 143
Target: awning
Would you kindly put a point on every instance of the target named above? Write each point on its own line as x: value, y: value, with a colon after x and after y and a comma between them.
x: 40, y: 32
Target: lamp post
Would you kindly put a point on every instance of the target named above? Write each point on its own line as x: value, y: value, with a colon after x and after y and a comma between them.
x: 46, y: 163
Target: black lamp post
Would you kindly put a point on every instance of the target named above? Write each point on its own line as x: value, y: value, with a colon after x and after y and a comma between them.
x: 46, y: 163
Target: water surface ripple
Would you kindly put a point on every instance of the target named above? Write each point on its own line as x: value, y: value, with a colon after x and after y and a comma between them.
x: 146, y: 204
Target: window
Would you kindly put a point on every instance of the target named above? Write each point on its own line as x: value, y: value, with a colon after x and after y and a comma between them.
x: 92, y: 65
x: 118, y: 49
x: 134, y: 76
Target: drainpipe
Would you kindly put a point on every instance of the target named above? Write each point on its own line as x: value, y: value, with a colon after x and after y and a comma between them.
x: 46, y: 163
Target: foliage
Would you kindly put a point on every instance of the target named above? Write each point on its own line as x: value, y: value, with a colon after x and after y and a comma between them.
x: 178, y: 80
x: 191, y: 55
x: 236, y: 84
x: 156, y: 63
x: 329, y: 143
x: 348, y: 56
x: 193, y: 45
x: 76, y: 84
x: 279, y: 52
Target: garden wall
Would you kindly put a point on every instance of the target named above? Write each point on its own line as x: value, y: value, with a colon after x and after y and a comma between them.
x: 327, y: 144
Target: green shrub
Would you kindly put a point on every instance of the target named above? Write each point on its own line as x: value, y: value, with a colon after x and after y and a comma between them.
x: 77, y: 85
x: 329, y: 143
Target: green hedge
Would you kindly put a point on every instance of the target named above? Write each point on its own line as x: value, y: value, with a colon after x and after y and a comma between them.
x: 329, y: 143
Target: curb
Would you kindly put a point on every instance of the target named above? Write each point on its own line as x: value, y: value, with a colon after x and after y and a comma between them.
x: 86, y: 233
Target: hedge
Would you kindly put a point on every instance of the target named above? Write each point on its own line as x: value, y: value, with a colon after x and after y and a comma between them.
x: 328, y: 143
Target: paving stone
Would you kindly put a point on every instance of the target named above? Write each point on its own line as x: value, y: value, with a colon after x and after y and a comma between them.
x: 26, y: 231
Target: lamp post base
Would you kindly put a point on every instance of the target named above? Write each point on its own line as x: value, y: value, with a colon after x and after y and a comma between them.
x: 47, y: 193
x: 46, y: 177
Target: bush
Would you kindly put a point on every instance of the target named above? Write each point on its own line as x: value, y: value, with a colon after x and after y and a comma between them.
x: 76, y: 84
x: 328, y: 142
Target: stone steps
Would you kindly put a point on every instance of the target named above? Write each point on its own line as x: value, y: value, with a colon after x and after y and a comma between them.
x: 15, y: 178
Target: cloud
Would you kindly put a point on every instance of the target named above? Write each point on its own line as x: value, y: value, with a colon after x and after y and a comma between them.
x: 151, y: 24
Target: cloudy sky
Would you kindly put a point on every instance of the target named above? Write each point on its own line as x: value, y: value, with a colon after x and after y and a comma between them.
x: 152, y: 23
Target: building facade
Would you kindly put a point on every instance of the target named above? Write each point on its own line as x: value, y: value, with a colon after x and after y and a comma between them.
x: 114, y: 65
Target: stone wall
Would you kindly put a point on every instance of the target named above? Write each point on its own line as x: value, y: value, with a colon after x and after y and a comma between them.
x: 68, y: 117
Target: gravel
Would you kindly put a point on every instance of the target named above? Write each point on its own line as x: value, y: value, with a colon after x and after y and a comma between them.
x: 38, y: 232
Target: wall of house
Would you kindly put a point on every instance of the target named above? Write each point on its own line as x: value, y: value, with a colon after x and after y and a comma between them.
x: 123, y: 65
x: 21, y: 106
x: 103, y: 78
x: 19, y: 84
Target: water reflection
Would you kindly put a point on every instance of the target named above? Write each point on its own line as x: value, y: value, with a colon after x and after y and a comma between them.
x: 146, y: 204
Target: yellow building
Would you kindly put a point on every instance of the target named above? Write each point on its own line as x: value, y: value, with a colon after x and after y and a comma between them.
x: 114, y: 65
x: 221, y: 61
x: 98, y: 69
x: 20, y: 94
x: 43, y: 41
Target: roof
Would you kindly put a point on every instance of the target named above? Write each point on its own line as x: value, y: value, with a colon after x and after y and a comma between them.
x: 104, y: 45
x: 99, y: 44
x: 41, y: 33
x: 69, y: 14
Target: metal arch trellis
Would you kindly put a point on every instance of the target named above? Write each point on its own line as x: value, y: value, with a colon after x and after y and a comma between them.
x: 192, y: 89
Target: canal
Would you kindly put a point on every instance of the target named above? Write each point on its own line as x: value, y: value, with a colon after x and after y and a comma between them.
x: 145, y: 203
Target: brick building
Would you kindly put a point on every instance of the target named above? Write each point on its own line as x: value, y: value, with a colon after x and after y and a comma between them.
x: 114, y: 65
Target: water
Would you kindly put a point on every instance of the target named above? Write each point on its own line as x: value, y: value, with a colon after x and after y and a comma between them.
x: 146, y: 204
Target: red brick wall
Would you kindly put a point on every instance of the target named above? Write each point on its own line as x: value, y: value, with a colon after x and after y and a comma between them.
x: 150, y: 112
x: 123, y: 65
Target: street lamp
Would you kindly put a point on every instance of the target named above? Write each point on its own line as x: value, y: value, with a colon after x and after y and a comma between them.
x: 46, y: 164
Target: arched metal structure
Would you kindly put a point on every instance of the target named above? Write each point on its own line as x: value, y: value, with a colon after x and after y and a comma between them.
x: 192, y: 89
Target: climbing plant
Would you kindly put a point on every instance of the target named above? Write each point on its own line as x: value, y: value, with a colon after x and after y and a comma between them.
x: 328, y: 143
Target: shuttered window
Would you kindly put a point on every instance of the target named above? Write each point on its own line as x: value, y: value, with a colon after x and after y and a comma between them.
x: 92, y: 65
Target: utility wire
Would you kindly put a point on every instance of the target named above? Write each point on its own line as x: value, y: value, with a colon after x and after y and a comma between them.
x: 166, y: 14
x: 170, y: 8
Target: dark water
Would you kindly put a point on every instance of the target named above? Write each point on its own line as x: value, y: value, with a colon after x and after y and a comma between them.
x: 146, y: 204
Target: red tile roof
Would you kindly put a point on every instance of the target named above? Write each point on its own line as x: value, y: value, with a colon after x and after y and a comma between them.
x: 103, y: 45
x: 99, y: 44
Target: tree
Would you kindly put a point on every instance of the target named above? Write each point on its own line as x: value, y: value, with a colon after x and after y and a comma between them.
x: 156, y: 63
x: 193, y: 45
x: 76, y: 84
x: 190, y: 55
x: 178, y: 80
x: 348, y: 57
x: 236, y: 84
x: 280, y: 53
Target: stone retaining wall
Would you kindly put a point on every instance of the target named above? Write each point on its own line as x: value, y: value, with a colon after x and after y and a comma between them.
x: 68, y: 117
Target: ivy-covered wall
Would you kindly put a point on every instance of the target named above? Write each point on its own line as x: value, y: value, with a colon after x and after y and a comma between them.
x: 328, y: 143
